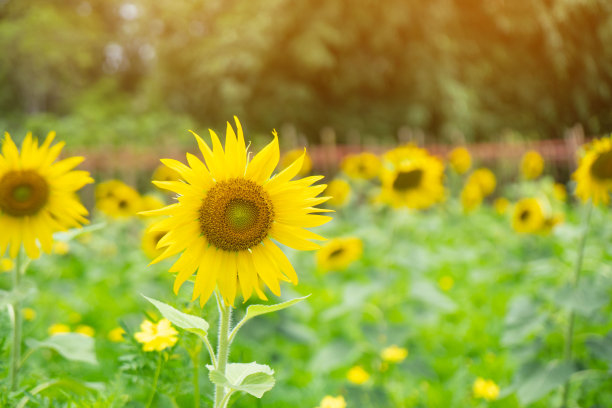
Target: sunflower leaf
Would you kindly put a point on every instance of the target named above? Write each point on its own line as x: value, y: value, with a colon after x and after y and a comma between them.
x: 75, y: 232
x: 72, y: 346
x: 191, y: 323
x: 252, y: 378
x: 256, y: 310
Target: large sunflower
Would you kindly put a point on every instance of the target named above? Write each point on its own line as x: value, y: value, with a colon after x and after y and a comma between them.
x: 594, y: 173
x: 227, y: 214
x: 37, y: 195
x: 414, y: 178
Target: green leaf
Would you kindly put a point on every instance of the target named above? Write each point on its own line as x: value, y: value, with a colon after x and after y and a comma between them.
x: 586, y: 298
x: 256, y: 310
x: 251, y: 378
x: 523, y: 319
x: 191, y: 323
x: 24, y: 291
x: 543, y: 380
x: 72, y: 346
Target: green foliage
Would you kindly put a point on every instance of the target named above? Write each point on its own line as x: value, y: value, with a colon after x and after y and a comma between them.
x: 106, y: 71
x: 252, y: 378
x: 73, y: 346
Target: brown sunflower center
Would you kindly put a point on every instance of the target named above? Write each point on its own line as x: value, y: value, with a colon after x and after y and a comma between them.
x: 236, y: 214
x: 407, y: 180
x: 602, y: 166
x: 524, y: 215
x: 337, y: 252
x: 23, y: 192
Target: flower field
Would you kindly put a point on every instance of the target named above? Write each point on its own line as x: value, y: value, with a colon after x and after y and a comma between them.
x: 404, y: 279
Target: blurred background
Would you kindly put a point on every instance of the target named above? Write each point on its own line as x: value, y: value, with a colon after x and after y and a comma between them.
x: 110, y: 72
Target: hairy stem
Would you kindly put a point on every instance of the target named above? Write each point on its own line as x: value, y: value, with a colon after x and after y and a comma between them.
x: 225, y: 315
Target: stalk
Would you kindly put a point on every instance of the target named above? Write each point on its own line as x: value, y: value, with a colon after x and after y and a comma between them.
x: 15, y: 361
x: 569, y: 333
x: 225, y: 314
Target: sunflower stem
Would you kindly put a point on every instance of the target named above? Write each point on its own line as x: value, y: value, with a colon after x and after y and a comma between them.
x: 155, y: 379
x: 569, y: 333
x: 15, y: 362
x: 225, y: 315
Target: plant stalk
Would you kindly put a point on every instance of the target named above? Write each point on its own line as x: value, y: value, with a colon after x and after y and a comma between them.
x: 15, y: 361
x: 195, y: 358
x: 569, y: 334
x: 225, y: 314
x: 155, y: 379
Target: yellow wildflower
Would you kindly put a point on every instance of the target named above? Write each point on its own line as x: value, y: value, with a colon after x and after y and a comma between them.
x: 58, y: 328
x: 85, y: 330
x: 485, y: 389
x: 116, y: 334
x: 332, y: 402
x: 394, y: 354
x: 156, y: 336
x: 29, y: 313
x: 357, y: 375
x: 446, y: 283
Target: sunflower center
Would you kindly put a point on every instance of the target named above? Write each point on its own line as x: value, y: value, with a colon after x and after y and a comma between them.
x: 524, y: 215
x: 602, y: 166
x: 236, y: 214
x: 336, y: 253
x: 407, y: 180
x: 23, y: 192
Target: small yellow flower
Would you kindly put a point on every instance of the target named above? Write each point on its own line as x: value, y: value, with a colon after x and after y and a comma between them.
x: 61, y: 248
x: 363, y: 166
x: 485, y: 389
x: 339, y: 253
x: 156, y: 336
x: 58, y: 328
x: 339, y: 191
x: 471, y: 196
x: 501, y: 205
x: 116, y: 334
x: 532, y: 165
x: 291, y: 156
x: 6, y: 265
x: 560, y: 192
x: 446, y: 283
x: 460, y: 160
x: 85, y: 330
x: 29, y: 314
x: 357, y: 375
x: 394, y: 354
x: 485, y: 179
x: 332, y: 402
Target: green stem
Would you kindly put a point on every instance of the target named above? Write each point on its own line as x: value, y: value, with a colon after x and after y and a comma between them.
x: 16, y: 320
x: 225, y: 314
x: 195, y: 358
x: 155, y: 378
x: 569, y: 334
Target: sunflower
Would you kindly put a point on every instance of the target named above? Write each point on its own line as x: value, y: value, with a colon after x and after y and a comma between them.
x: 164, y: 173
x: 37, y: 195
x: 228, y: 212
x: 594, y: 174
x: 485, y: 179
x: 528, y: 217
x: 149, y: 242
x: 116, y: 199
x: 339, y: 192
x: 532, y: 165
x: 362, y: 166
x: 339, y: 253
x: 460, y: 160
x: 560, y: 192
x: 293, y: 155
x: 471, y: 196
x: 414, y: 178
